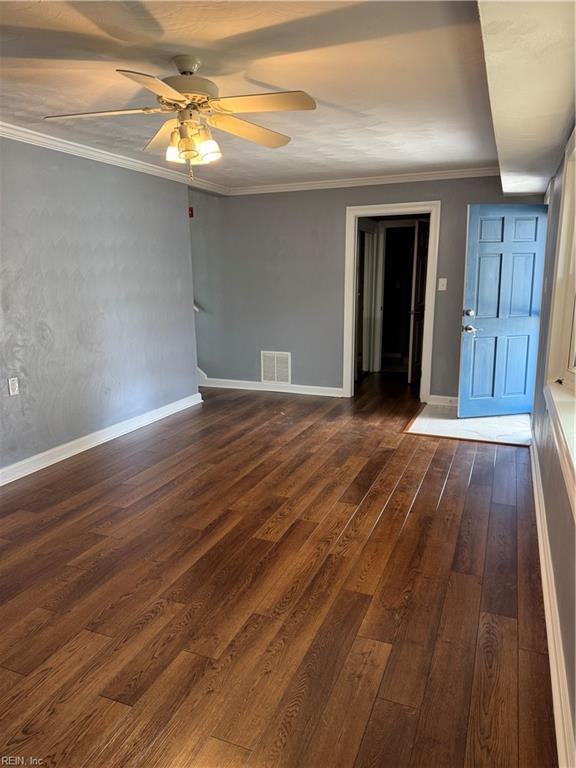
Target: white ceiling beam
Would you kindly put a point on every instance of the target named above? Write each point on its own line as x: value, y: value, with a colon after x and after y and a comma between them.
x: 529, y: 53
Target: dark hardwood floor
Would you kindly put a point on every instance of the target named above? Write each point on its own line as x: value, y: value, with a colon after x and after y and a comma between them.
x: 275, y: 580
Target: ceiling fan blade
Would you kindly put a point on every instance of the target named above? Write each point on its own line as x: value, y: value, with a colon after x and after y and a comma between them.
x: 109, y: 113
x: 155, y: 85
x: 161, y: 138
x: 286, y: 101
x: 249, y: 131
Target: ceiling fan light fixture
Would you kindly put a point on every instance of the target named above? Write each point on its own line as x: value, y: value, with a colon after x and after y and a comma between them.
x: 187, y: 149
x: 210, y: 151
x: 208, y: 148
x: 172, y: 152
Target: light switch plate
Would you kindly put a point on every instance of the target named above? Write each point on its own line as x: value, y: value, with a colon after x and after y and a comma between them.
x: 13, y: 386
x: 442, y: 283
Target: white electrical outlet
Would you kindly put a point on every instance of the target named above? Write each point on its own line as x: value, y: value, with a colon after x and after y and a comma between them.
x: 13, y: 386
x: 442, y: 283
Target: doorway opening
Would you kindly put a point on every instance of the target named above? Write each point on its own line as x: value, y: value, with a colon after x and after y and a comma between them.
x: 391, y: 285
x: 389, y: 293
x: 391, y: 272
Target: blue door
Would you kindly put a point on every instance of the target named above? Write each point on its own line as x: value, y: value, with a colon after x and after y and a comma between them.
x: 501, y: 316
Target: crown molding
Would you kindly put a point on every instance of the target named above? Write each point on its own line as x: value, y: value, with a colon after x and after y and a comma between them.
x: 366, y: 181
x: 17, y: 133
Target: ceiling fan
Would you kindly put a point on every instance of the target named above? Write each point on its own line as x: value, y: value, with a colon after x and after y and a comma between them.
x: 186, y: 138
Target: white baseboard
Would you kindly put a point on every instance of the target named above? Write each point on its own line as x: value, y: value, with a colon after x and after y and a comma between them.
x: 264, y: 386
x: 560, y: 695
x: 440, y: 400
x: 298, y: 389
x: 64, y: 451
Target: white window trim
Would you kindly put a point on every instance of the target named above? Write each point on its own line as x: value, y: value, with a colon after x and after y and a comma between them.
x: 560, y: 337
x: 560, y: 404
x: 571, y: 366
x: 560, y: 373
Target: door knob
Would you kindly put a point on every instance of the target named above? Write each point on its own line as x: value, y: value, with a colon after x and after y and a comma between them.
x: 469, y: 313
x: 470, y: 329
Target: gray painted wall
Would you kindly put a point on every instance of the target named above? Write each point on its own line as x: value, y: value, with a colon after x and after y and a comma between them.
x: 559, y: 514
x: 96, y: 282
x: 273, y: 277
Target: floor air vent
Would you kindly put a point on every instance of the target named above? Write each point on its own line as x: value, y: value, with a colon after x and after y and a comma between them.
x: 276, y: 367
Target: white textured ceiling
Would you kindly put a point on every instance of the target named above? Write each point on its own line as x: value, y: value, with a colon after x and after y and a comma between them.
x: 400, y: 86
x: 529, y: 48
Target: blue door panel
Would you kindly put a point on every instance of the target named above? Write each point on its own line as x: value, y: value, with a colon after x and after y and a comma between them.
x: 483, y: 367
x: 516, y: 365
x: 491, y: 229
x: 488, y: 284
x: 525, y: 229
x: 522, y: 289
x: 503, y: 288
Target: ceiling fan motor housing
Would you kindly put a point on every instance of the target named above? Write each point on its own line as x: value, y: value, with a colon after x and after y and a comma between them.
x: 196, y: 89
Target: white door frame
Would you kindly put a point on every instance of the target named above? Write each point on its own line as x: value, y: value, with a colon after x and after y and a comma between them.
x: 353, y: 213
